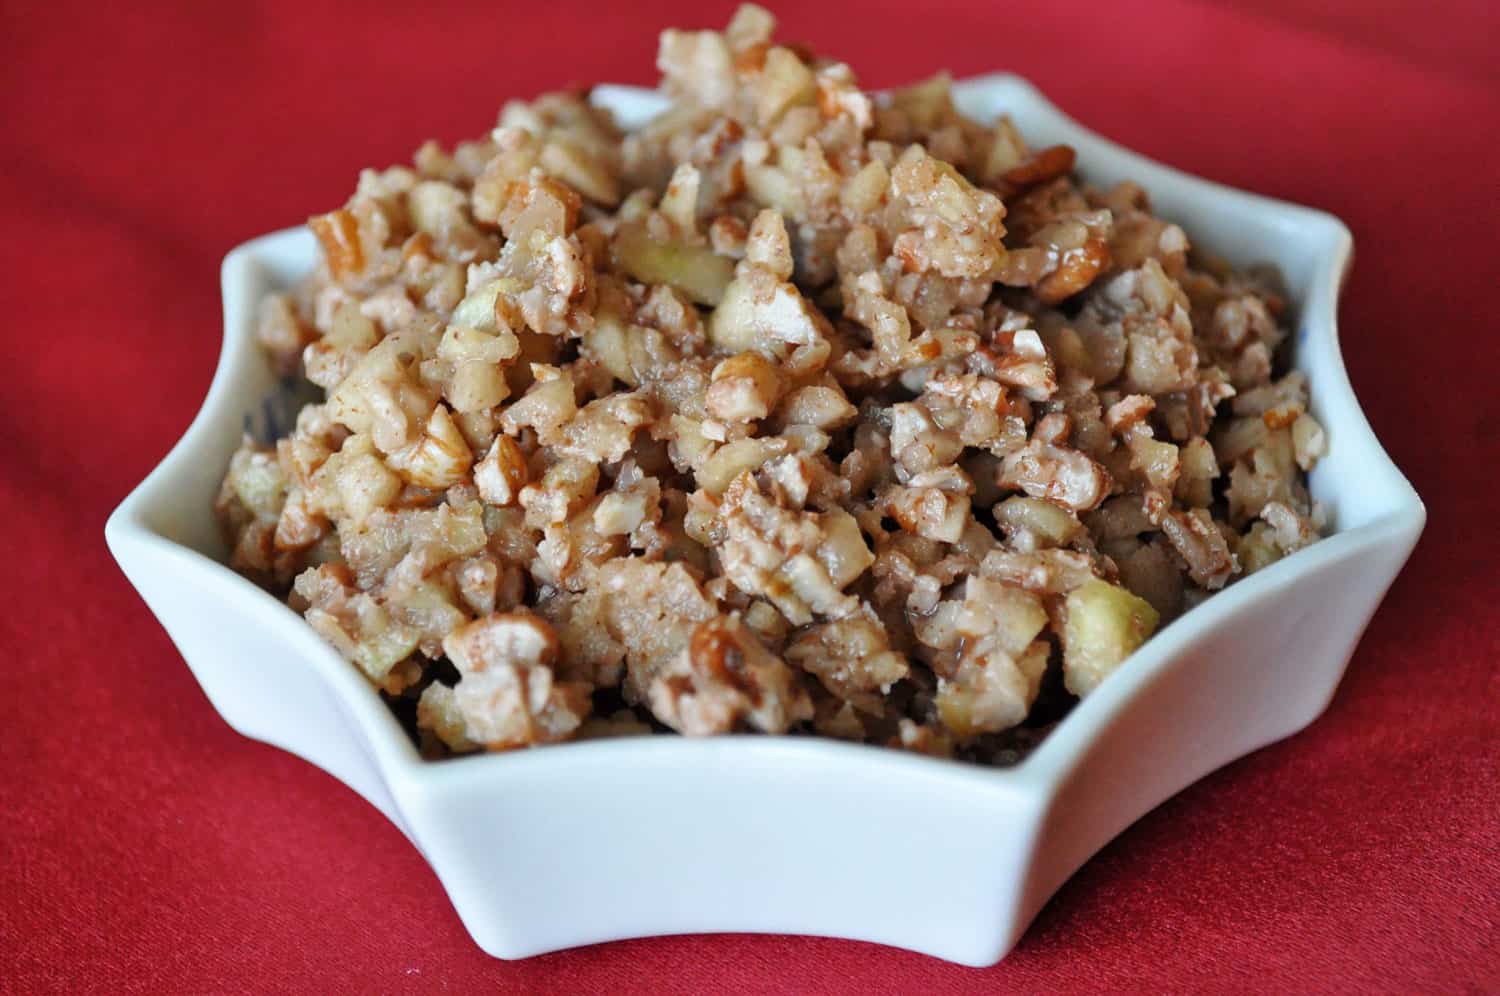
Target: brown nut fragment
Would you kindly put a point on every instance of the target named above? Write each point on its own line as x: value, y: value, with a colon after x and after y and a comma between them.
x: 507, y: 693
x: 852, y: 658
x: 928, y: 510
x: 439, y: 458
x: 797, y: 560
x: 1057, y: 473
x: 743, y: 388
x: 1129, y: 411
x: 502, y: 472
x: 1309, y: 441
x: 338, y: 235
x: 821, y: 406
x: 1033, y: 523
x: 438, y: 715
x: 724, y: 679
x: 1045, y: 572
x: 1194, y: 536
x: 1024, y: 366
x: 1291, y: 532
x: 1076, y: 269
x: 1041, y: 166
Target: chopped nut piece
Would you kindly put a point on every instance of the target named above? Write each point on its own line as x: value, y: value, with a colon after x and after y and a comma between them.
x: 725, y: 678
x: 930, y: 511
x: 338, y: 234
x: 1308, y: 440
x: 507, y: 694
x: 1056, y: 473
x: 799, y: 561
x: 852, y: 658
x: 502, y: 473
x: 439, y: 714
x: 1198, y: 540
x: 1042, y: 165
x: 743, y: 388
x: 1031, y: 523
x: 439, y: 458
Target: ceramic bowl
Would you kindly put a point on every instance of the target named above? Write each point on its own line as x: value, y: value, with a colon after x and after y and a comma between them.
x: 579, y: 843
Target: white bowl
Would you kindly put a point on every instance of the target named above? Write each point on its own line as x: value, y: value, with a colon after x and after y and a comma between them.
x: 579, y: 843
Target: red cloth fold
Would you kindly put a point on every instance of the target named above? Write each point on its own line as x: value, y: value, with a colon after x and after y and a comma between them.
x: 146, y: 847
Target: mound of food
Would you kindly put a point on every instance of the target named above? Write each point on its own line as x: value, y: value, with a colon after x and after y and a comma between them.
x: 799, y: 409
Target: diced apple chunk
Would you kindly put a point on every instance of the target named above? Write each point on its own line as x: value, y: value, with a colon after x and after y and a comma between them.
x: 1104, y: 625
x: 477, y: 309
x: 697, y: 271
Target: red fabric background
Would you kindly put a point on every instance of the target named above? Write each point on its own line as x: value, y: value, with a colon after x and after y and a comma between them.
x: 145, y: 847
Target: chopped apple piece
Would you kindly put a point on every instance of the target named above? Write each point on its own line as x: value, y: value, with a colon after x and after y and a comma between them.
x: 697, y: 271
x: 1104, y: 625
